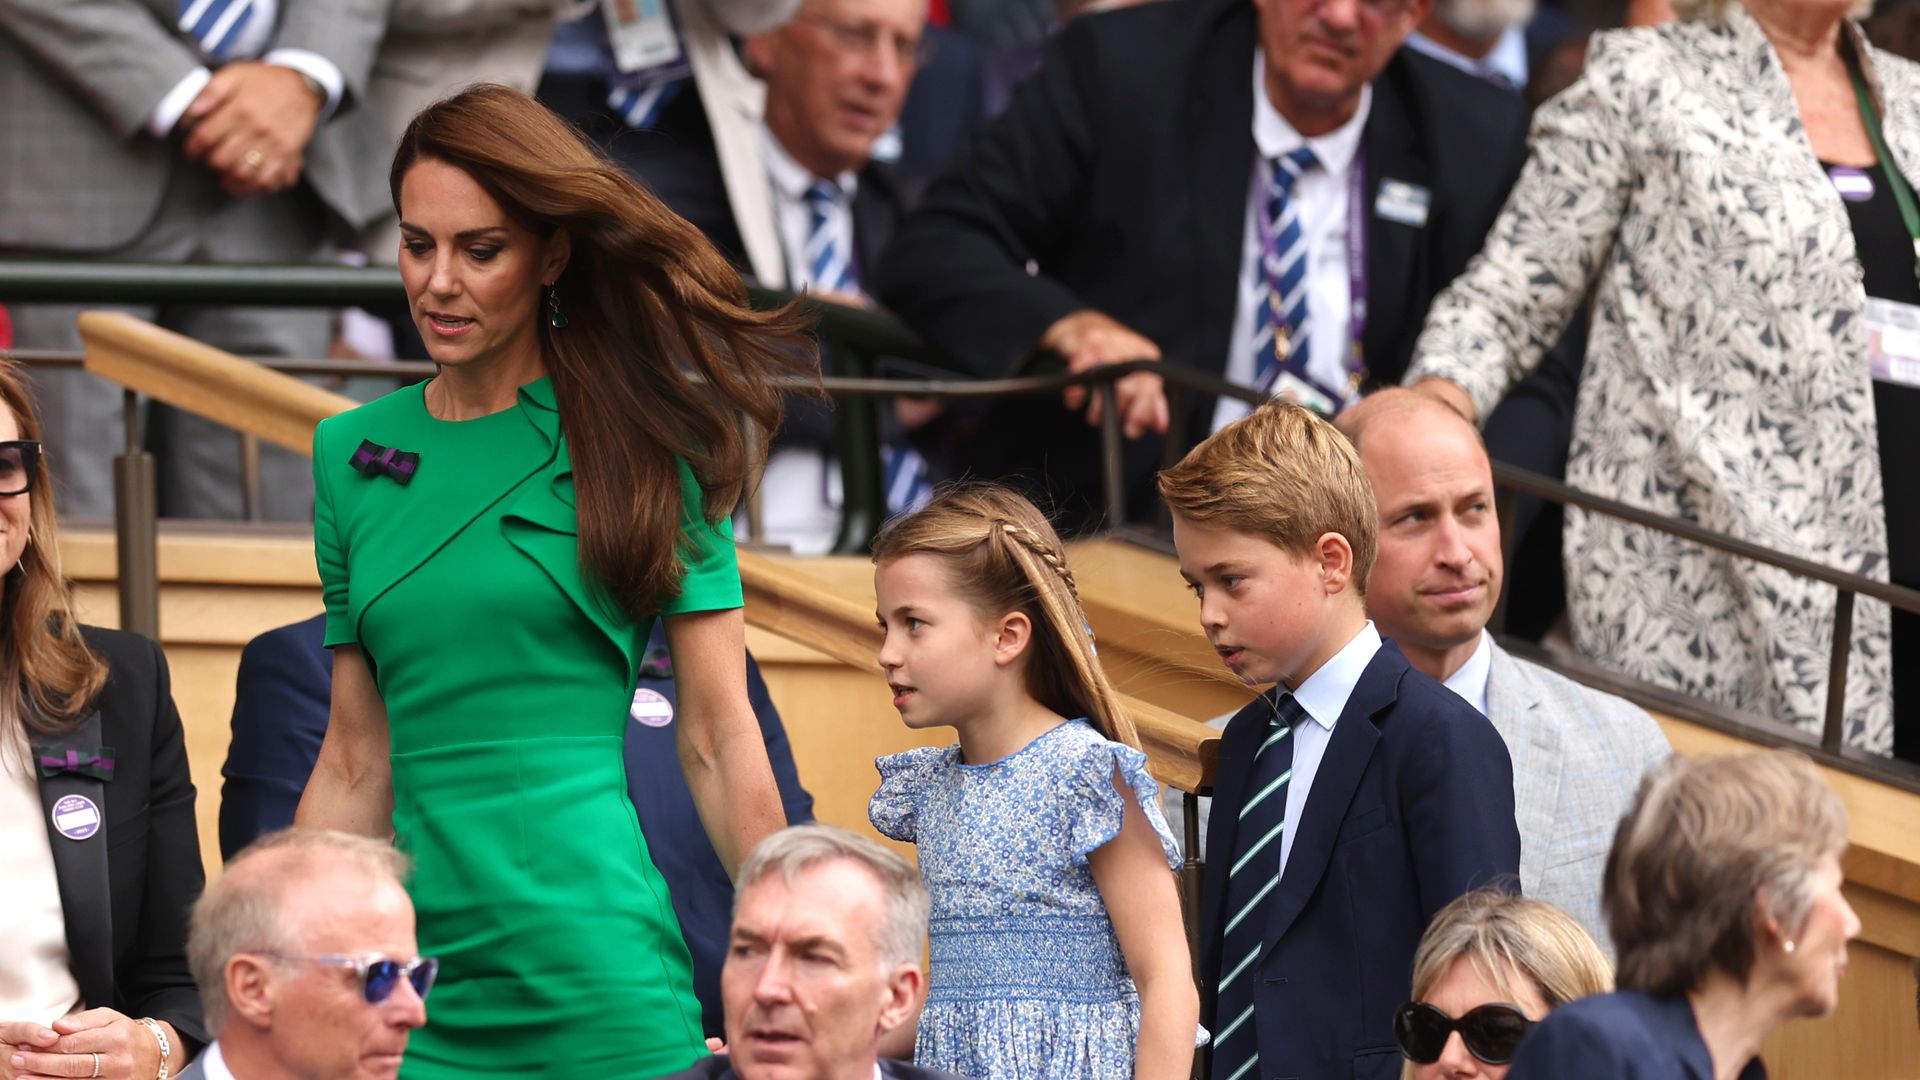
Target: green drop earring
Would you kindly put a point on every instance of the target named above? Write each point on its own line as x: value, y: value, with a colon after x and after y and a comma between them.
x: 554, y: 317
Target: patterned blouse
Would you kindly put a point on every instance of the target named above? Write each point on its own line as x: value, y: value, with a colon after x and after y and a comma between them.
x: 1726, y: 380
x: 1028, y: 979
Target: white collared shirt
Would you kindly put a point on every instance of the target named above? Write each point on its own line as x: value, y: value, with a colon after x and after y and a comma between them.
x: 790, y: 181
x: 1324, y: 696
x: 1507, y: 60
x: 247, y: 45
x: 1470, y: 682
x: 1321, y: 193
x: 214, y: 1063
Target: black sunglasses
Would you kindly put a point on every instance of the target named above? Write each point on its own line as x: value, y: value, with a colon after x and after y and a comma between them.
x: 19, y: 461
x: 1492, y: 1032
x: 379, y: 975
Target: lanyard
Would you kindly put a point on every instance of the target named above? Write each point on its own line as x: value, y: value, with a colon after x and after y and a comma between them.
x: 1902, y: 194
x: 1356, y: 276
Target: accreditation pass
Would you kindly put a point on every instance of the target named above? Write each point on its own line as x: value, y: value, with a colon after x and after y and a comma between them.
x: 1893, y: 341
x: 641, y: 33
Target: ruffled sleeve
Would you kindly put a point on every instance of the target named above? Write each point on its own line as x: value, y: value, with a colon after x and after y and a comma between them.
x: 1096, y: 808
x: 904, y: 777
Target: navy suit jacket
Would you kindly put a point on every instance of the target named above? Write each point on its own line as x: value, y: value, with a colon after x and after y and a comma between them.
x: 280, y: 716
x: 1412, y: 806
x: 1627, y: 1035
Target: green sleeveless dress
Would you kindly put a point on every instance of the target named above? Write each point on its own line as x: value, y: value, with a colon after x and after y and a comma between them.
x: 508, y: 678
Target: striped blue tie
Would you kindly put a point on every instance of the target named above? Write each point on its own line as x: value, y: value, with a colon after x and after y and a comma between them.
x: 215, y: 25
x: 641, y: 105
x: 1280, y: 324
x: 1250, y: 881
x: 828, y: 267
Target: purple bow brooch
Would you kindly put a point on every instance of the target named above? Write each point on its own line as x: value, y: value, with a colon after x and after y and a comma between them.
x: 98, y: 765
x: 376, y: 460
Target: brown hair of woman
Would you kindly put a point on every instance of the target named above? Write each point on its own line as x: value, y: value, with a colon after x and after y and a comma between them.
x: 48, y: 674
x: 661, y: 356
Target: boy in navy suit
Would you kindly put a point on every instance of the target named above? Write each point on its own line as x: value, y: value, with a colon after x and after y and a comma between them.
x: 1356, y: 797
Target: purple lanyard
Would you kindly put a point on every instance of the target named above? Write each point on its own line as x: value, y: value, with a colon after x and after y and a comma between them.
x: 1356, y: 268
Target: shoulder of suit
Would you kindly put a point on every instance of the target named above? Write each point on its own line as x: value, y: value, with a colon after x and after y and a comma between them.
x: 123, y: 650
x: 1615, y: 712
x: 1447, y: 92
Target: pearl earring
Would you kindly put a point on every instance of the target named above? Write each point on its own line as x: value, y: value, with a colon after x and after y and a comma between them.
x: 1788, y: 946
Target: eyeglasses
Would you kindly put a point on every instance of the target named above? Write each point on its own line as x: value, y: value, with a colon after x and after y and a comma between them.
x: 1492, y: 1032
x: 19, y: 461
x: 866, y: 37
x: 379, y: 975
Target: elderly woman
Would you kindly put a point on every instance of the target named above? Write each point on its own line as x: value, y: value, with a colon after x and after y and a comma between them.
x: 1489, y: 967
x: 1731, y: 190
x: 1723, y: 894
x: 97, y: 835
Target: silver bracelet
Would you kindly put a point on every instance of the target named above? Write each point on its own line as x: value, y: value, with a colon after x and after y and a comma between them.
x: 160, y: 1036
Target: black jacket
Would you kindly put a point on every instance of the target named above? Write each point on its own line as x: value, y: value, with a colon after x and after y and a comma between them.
x: 127, y: 887
x: 1120, y: 172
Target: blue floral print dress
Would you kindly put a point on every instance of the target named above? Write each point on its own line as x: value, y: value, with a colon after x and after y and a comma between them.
x: 1028, y: 979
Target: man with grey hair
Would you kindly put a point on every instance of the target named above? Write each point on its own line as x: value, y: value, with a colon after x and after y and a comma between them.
x: 828, y: 930
x: 305, y: 955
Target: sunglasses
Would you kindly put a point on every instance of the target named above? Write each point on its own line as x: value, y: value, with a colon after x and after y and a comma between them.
x: 379, y: 975
x: 1492, y: 1032
x: 19, y: 461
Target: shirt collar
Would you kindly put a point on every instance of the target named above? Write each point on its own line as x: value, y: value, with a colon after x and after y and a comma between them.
x: 1470, y: 682
x: 1324, y: 695
x: 791, y: 178
x: 1274, y: 135
x: 1508, y: 58
x: 214, y: 1064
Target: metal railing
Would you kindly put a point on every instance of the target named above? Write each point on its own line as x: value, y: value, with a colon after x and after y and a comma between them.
x: 866, y: 334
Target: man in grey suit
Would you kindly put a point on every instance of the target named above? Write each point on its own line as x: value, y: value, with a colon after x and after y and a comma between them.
x: 182, y: 131
x: 305, y: 956
x: 1577, y: 753
x: 824, y: 961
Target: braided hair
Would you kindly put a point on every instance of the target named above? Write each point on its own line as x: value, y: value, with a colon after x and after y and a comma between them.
x: 1007, y: 558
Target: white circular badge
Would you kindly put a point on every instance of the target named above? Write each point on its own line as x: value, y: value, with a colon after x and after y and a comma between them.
x: 650, y: 707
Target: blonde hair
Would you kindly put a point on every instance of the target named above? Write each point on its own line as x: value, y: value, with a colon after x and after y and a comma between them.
x: 1005, y: 557
x: 1283, y: 474
x: 1706, y: 840
x: 1498, y: 933
x: 49, y: 674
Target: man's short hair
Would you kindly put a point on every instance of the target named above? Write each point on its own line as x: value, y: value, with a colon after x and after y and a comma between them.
x: 241, y: 911
x: 1393, y: 406
x: 1704, y: 838
x: 1283, y: 474
x: 901, y: 936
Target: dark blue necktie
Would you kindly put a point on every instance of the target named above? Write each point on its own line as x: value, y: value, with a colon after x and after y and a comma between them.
x: 1281, y: 325
x: 1250, y: 881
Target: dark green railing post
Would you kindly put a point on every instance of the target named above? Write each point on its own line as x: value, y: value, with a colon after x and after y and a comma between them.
x: 136, y: 528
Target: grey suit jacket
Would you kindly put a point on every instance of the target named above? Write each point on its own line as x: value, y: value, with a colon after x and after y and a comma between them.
x: 193, y: 1071
x: 1577, y: 759
x: 78, y: 81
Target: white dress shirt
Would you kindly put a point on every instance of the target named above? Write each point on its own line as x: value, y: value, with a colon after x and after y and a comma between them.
x: 247, y: 45
x: 36, y: 981
x: 214, y: 1063
x: 1470, y: 682
x: 794, y: 214
x: 1324, y: 696
x: 1508, y: 60
x: 1321, y: 193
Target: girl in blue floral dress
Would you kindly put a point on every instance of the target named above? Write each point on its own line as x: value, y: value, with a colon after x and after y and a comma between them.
x: 1058, y: 949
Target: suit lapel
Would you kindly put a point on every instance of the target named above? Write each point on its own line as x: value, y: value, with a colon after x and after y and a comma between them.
x: 1395, y: 251
x: 1534, y: 742
x: 876, y: 206
x: 81, y: 864
x: 1219, y: 118
x: 1346, y: 759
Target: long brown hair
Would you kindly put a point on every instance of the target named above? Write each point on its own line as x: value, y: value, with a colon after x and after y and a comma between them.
x: 48, y: 676
x: 661, y: 355
x: 1006, y: 557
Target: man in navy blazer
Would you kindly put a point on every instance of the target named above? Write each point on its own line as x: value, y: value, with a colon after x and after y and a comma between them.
x: 280, y: 715
x: 1354, y: 799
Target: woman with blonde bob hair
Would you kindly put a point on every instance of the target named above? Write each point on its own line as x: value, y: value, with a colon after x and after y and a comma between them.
x: 1489, y: 967
x: 494, y: 547
x: 1723, y: 896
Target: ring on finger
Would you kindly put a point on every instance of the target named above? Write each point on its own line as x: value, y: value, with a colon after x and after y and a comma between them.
x: 254, y: 159
x: 96, y: 1067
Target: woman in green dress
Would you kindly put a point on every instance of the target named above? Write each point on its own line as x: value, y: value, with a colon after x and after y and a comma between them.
x: 494, y: 545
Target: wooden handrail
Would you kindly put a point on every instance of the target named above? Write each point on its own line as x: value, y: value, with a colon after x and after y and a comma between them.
x: 206, y: 381
x: 785, y: 600
x: 210, y: 382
